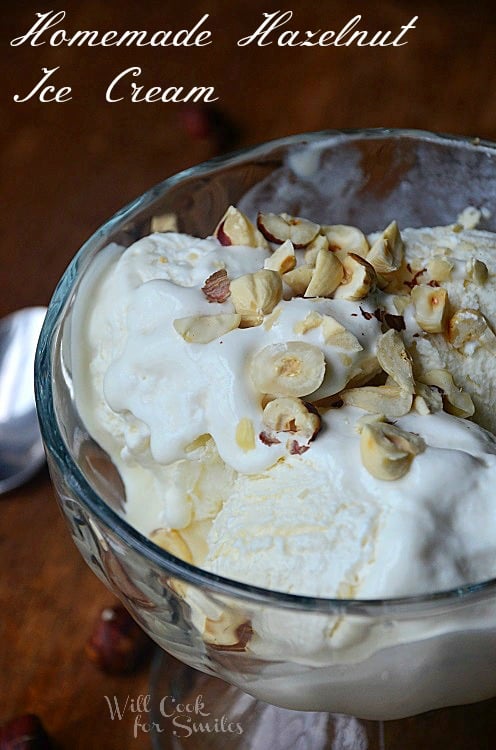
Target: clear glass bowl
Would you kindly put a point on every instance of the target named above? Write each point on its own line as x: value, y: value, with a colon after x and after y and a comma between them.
x: 372, y: 659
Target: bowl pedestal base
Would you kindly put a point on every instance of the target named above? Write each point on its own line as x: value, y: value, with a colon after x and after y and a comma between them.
x: 194, y: 711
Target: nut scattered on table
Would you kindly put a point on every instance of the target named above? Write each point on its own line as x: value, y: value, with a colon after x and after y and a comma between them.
x: 205, y: 122
x: 24, y: 732
x: 117, y: 644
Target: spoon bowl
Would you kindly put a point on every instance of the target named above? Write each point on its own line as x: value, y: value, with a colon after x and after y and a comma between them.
x: 21, y: 448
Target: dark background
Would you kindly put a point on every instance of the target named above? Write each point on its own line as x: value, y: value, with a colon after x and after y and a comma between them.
x: 67, y: 167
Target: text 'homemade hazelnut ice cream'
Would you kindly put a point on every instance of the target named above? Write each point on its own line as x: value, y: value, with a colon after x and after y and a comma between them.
x: 298, y: 406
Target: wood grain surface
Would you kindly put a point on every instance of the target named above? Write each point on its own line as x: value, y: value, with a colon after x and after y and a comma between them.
x: 67, y: 167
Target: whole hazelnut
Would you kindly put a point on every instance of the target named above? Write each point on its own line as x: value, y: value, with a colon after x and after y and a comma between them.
x: 117, y: 645
x: 204, y: 122
x: 24, y: 732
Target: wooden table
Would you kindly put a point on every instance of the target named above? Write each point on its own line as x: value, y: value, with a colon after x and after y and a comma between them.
x: 67, y: 166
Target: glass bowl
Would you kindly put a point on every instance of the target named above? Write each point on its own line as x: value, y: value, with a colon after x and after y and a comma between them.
x: 372, y: 659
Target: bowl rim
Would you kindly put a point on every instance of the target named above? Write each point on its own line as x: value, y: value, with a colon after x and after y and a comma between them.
x: 400, y: 606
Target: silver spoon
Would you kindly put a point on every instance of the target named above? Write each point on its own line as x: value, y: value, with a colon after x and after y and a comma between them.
x: 21, y: 449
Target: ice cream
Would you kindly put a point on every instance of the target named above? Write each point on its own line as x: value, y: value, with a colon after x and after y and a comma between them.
x: 298, y: 406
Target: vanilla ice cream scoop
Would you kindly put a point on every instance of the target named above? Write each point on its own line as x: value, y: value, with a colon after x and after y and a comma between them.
x: 289, y: 404
x: 320, y: 524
